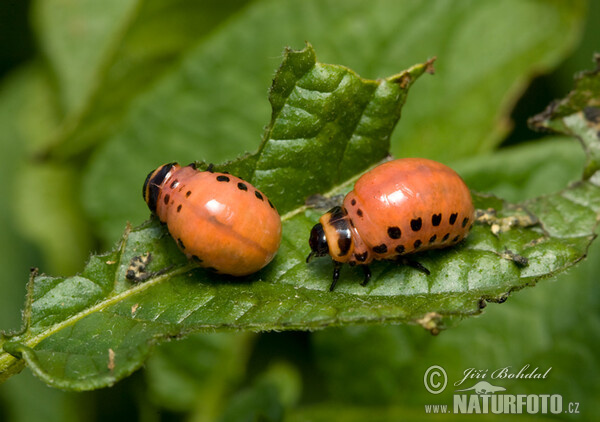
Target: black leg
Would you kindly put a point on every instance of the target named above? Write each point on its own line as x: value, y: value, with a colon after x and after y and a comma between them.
x: 336, y: 274
x: 367, y: 271
x: 309, y: 257
x: 414, y: 264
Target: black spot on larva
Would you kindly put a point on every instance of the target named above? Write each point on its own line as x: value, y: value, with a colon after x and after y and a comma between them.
x: 359, y: 212
x: 471, y: 227
x: 222, y: 178
x: 174, y: 184
x: 436, y: 219
x: 394, y: 232
x: 417, y: 243
x: 455, y: 238
x: 400, y: 248
x: 188, y: 193
x: 242, y: 186
x: 361, y: 257
x: 180, y: 243
x: 592, y: 114
x: 258, y: 195
x: 353, y: 202
x: 196, y: 258
x: 178, y: 207
x: 432, y: 238
x: 193, y: 165
x: 380, y: 248
x: 446, y: 236
x: 453, y: 218
x: 344, y: 244
x: 416, y: 224
x: 270, y: 203
x: 465, y: 221
x: 167, y: 198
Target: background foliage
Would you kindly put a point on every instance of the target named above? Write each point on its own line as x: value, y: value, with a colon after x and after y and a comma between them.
x: 103, y: 94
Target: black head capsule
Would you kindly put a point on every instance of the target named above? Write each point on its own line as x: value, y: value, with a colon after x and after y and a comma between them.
x: 318, y: 242
x: 152, y: 184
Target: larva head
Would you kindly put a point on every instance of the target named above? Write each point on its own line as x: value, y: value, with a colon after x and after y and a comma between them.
x: 153, y: 183
x: 332, y: 236
x: 317, y: 242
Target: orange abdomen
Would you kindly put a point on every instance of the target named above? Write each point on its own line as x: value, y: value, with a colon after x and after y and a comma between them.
x: 218, y: 219
x: 408, y: 205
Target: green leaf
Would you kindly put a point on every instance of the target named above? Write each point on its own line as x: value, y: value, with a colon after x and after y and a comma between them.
x: 332, y: 112
x: 578, y: 115
x: 525, y: 171
x: 90, y: 330
x: 554, y: 325
x: 196, y: 374
x: 104, y: 57
x: 61, y: 230
x: 318, y: 110
x: 25, y: 116
x: 267, y: 398
x: 77, y: 41
x: 209, y: 106
x: 16, y: 255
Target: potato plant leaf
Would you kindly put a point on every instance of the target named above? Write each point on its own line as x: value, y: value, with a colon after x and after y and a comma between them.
x: 319, y: 111
x: 578, y: 115
x: 90, y: 330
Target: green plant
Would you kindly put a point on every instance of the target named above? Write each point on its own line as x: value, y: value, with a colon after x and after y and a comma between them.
x: 107, y: 112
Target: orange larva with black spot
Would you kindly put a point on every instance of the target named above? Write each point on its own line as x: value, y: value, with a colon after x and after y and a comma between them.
x: 398, y: 208
x: 219, y: 220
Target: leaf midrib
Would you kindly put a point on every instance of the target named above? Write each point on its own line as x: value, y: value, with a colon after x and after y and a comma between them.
x: 32, y: 341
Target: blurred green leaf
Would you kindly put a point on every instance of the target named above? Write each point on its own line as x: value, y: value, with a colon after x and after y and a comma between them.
x: 259, y: 403
x: 51, y: 405
x: 525, y: 171
x: 378, y: 372
x: 104, y: 57
x: 78, y: 39
x: 16, y: 255
x: 25, y: 118
x: 267, y: 398
x: 48, y: 214
x: 205, y: 107
x: 44, y: 208
x: 196, y: 374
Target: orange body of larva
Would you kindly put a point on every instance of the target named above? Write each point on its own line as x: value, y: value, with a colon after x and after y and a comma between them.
x: 398, y: 208
x: 217, y: 219
x: 405, y: 206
